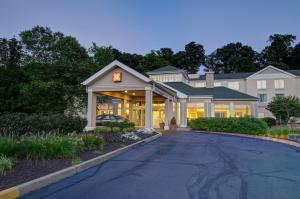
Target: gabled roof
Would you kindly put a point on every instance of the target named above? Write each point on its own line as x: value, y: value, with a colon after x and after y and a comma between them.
x: 112, y: 65
x: 165, y: 69
x: 244, y: 75
x: 218, y: 93
x: 271, y: 67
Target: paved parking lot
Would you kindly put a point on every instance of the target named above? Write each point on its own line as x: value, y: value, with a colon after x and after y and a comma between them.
x: 189, y: 165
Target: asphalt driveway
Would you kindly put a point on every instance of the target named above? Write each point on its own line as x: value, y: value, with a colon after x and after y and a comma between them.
x: 189, y: 165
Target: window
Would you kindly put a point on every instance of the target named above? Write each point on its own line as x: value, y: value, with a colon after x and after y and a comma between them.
x: 261, y: 84
x: 262, y: 97
x: 279, y: 83
x: 279, y: 95
x: 217, y: 84
x: 220, y: 114
x: 200, y: 84
x: 233, y: 85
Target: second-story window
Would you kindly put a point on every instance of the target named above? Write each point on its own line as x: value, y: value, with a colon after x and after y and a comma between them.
x: 261, y: 84
x: 262, y: 98
x: 279, y: 83
x: 234, y: 85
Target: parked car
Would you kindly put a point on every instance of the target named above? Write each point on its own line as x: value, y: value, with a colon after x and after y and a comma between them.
x: 101, y: 119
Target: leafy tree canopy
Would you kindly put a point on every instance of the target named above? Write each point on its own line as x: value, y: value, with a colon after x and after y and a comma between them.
x: 234, y: 57
x: 278, y: 52
x: 285, y: 107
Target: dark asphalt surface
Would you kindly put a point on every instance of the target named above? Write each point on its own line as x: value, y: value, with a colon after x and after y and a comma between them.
x: 190, y: 165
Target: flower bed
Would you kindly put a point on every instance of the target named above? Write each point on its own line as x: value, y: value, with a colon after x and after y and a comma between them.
x: 28, y: 157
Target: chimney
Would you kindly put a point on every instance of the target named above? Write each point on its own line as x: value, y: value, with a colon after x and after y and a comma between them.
x: 209, y: 77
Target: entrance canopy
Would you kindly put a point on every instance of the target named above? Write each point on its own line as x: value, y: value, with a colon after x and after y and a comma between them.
x: 137, y: 92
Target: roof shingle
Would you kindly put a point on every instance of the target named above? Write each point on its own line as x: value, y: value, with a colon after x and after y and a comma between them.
x: 216, y: 92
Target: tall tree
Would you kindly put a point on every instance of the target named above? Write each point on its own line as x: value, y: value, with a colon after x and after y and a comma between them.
x: 11, y: 74
x: 294, y: 61
x: 39, y: 42
x: 278, y: 52
x: 101, y: 55
x: 232, y: 58
x: 152, y: 61
x: 191, y: 58
x: 166, y: 54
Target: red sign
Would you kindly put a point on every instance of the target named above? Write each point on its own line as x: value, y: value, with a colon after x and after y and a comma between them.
x: 117, y: 77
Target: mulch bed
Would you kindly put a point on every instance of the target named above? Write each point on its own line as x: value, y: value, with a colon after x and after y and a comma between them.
x: 26, y: 170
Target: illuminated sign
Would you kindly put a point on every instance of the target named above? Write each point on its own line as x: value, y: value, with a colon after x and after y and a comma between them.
x: 117, y: 77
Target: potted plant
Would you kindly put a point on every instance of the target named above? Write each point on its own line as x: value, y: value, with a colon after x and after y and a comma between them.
x: 162, y: 125
x: 173, y: 125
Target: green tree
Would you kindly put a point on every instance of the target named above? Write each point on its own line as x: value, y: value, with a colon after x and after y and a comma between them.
x: 152, y: 61
x: 278, y: 52
x: 232, y: 58
x: 285, y: 107
x: 294, y: 61
x: 11, y: 74
x: 101, y: 55
x: 191, y: 58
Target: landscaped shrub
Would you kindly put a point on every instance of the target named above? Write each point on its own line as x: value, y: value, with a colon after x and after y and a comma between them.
x: 103, y: 129
x: 92, y: 141
x: 279, y: 132
x: 6, y: 165
x: 270, y: 121
x: 116, y: 130
x: 120, y: 125
x: 38, y: 147
x: 22, y: 123
x: 246, y: 125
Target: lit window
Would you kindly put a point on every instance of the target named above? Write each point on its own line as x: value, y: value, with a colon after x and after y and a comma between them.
x: 200, y: 84
x: 261, y: 84
x: 262, y: 97
x: 233, y: 85
x: 279, y: 83
x: 217, y: 84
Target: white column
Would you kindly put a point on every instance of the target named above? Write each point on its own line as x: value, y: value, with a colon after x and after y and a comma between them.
x: 167, y: 114
x: 115, y: 106
x: 123, y: 108
x: 183, y: 110
x: 212, y: 109
x: 207, y: 109
x: 231, y: 109
x: 176, y: 112
x: 130, y: 110
x: 254, y: 109
x: 91, y: 113
x: 148, y: 108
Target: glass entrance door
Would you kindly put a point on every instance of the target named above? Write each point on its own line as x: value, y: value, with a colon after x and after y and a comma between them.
x: 138, y: 115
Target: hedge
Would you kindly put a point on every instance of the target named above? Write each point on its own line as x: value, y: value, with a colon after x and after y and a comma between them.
x: 244, y: 125
x: 23, y: 123
x: 270, y: 121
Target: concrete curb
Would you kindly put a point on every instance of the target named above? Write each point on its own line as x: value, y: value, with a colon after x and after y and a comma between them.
x: 288, y: 142
x: 27, y: 187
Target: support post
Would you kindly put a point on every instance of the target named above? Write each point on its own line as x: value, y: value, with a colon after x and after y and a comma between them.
x: 231, y: 108
x: 183, y: 110
x: 167, y: 114
x: 115, y: 107
x: 148, y: 108
x: 212, y: 109
x: 207, y: 109
x: 91, y: 113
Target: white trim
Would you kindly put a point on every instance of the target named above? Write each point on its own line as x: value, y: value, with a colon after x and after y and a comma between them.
x: 111, y: 65
x: 272, y: 67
